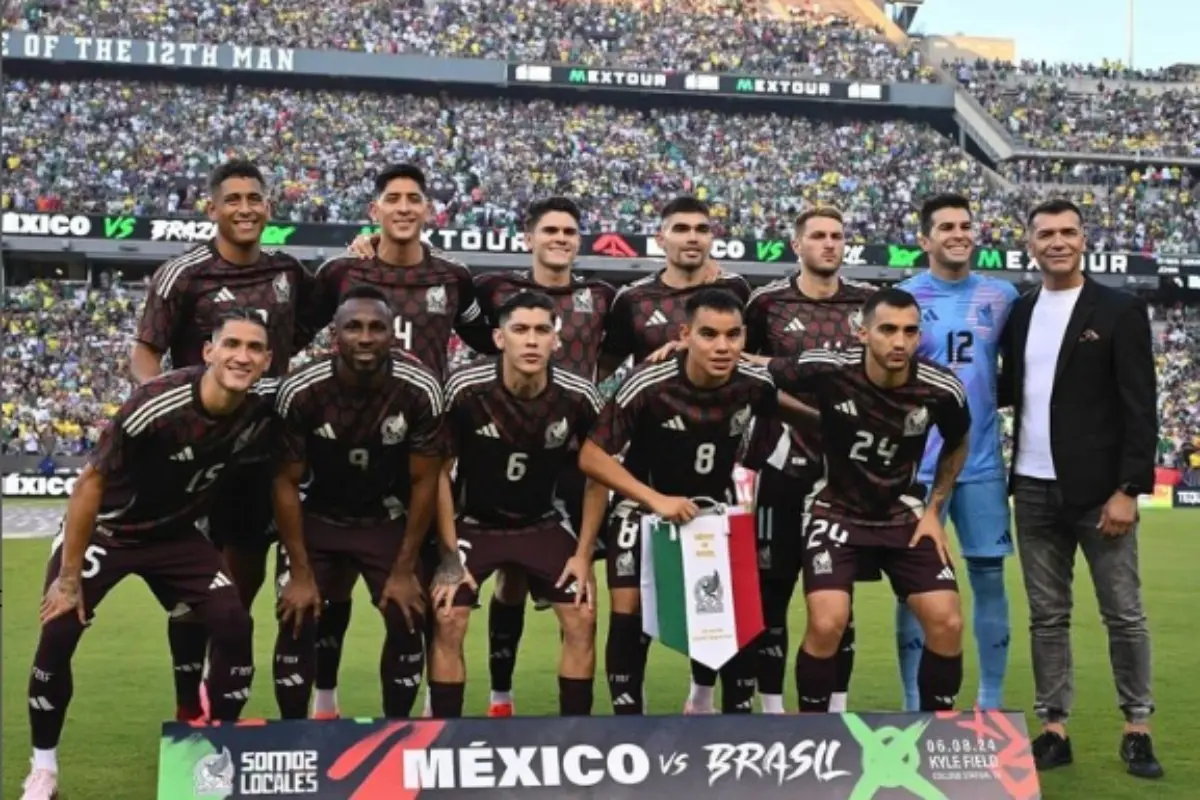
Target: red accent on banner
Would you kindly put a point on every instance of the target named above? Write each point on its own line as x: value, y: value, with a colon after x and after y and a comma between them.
x: 386, y: 780
x: 743, y: 569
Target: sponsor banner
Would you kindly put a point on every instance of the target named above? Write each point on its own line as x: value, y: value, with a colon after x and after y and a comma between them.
x: 955, y: 756
x: 609, y: 245
x: 33, y: 485
x: 1179, y: 265
x: 1185, y: 496
x: 1160, y: 499
x: 645, y: 80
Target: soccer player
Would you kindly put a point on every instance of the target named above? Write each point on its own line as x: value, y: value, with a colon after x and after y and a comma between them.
x: 511, y: 421
x: 812, y: 308
x: 683, y: 421
x: 651, y: 312
x: 432, y: 297
x: 363, y: 427
x: 961, y: 322
x: 186, y: 298
x: 876, y: 405
x: 581, y: 306
x: 138, y: 508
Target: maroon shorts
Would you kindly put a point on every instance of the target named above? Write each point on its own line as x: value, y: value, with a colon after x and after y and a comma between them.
x: 831, y: 562
x: 336, y: 550
x: 540, y: 550
x: 183, y: 570
x: 624, y: 529
x: 242, y: 515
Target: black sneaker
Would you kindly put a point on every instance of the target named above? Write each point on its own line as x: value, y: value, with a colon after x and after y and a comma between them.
x: 1137, y: 751
x: 1051, y: 750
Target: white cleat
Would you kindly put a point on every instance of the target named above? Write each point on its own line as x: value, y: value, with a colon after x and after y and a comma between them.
x: 42, y: 784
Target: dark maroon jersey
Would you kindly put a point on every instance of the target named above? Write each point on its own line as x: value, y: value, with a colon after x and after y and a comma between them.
x: 431, y: 300
x: 874, y: 438
x: 163, y: 455
x: 646, y: 314
x: 782, y: 321
x: 683, y: 440
x: 356, y: 442
x: 187, y: 296
x: 583, y: 308
x: 512, y: 450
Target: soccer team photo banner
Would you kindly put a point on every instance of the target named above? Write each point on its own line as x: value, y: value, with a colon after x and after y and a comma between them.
x: 700, y: 593
x: 948, y: 756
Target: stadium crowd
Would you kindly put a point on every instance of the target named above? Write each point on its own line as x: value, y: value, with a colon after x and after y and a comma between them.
x: 488, y: 158
x: 711, y: 35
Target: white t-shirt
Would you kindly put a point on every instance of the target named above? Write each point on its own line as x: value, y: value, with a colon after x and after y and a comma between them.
x: 1048, y: 324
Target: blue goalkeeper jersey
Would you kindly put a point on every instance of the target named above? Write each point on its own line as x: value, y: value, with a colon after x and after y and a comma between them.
x: 961, y: 323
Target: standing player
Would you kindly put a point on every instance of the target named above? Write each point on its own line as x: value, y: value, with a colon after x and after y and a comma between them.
x: 649, y: 313
x: 186, y: 298
x: 432, y: 296
x: 581, y: 305
x: 876, y: 405
x: 683, y: 421
x: 364, y: 426
x: 962, y: 318
x: 813, y: 308
x: 137, y: 509
x: 511, y: 421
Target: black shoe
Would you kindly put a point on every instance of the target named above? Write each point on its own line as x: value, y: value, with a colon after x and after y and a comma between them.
x: 1051, y: 750
x: 1137, y: 751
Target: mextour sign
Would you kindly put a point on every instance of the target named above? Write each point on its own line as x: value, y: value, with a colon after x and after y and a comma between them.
x: 956, y: 755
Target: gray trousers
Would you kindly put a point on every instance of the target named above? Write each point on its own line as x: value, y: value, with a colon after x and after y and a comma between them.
x: 1048, y: 533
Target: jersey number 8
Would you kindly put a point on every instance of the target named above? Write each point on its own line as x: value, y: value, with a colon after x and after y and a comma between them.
x: 705, y: 456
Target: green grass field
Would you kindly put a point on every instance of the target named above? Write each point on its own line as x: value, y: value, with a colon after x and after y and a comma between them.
x: 123, y: 678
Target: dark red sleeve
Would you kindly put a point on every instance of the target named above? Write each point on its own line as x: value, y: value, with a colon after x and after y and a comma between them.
x: 618, y: 420
x: 757, y: 325
x: 318, y: 306
x: 619, y: 341
x: 953, y: 415
x: 292, y: 438
x: 477, y: 334
x: 427, y: 435
x: 163, y: 312
x: 117, y: 448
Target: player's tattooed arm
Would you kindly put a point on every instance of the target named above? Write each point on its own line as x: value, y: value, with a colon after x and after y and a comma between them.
x: 950, y: 461
x: 426, y: 472
x: 65, y: 593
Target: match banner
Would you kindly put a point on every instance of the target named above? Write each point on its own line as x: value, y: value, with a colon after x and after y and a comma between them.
x: 1186, y: 497
x: 947, y: 756
x: 700, y: 592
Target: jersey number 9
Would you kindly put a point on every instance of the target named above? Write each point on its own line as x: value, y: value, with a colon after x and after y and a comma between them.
x: 360, y: 457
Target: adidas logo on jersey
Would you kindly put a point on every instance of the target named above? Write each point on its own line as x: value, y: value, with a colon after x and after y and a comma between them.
x: 929, y: 315
x: 325, y: 432
x: 946, y: 574
x: 184, y: 455
x: 675, y: 423
x: 657, y: 318
x: 848, y: 408
x: 219, y: 582
x: 225, y: 296
x: 489, y: 431
x: 795, y: 326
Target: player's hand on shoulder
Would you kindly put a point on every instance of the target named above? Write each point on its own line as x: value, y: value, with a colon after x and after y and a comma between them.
x: 299, y: 598
x: 63, y: 596
x: 930, y: 527
x: 364, y: 246
x: 578, y: 571
x: 447, y: 578
x: 666, y: 351
x: 403, y: 589
x: 674, y: 509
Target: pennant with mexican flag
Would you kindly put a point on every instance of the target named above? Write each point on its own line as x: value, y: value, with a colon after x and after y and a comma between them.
x: 700, y: 592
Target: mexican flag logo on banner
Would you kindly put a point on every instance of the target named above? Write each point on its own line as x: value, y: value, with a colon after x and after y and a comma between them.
x: 700, y: 592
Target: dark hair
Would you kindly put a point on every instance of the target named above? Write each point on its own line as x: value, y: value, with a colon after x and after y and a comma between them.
x: 936, y: 204
x: 685, y: 204
x: 525, y: 299
x: 239, y: 314
x: 237, y: 168
x: 714, y: 299
x: 890, y: 297
x: 410, y: 171
x: 1055, y: 205
x: 540, y: 208
x: 365, y: 291
x: 827, y: 212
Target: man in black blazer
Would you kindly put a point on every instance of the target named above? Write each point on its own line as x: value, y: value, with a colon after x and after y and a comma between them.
x: 1079, y: 371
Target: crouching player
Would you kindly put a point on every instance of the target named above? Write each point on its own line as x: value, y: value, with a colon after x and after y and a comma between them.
x: 364, y: 426
x: 135, y: 510
x: 511, y: 422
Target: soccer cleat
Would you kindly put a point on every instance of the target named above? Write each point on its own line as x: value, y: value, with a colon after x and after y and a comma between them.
x: 499, y: 710
x: 1051, y: 750
x: 690, y: 709
x: 42, y: 784
x: 327, y: 715
x: 1137, y: 751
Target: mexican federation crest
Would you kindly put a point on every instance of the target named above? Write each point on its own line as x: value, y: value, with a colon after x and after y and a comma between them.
x: 393, y: 429
x: 582, y: 302
x: 213, y: 775
x: 709, y: 594
x: 739, y: 422
x: 283, y: 288
x: 916, y: 422
x: 556, y: 434
x: 435, y: 300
